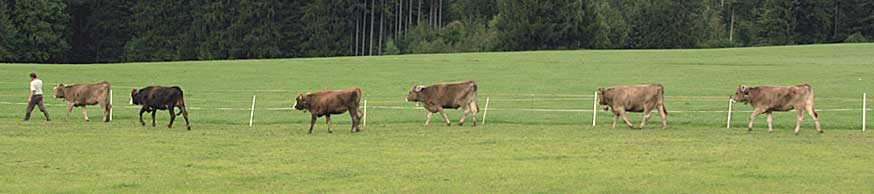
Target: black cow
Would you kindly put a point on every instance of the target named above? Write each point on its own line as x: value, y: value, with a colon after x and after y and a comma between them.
x: 154, y: 98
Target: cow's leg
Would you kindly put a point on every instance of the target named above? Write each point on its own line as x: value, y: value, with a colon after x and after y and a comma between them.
x: 106, y: 109
x: 647, y: 112
x: 799, y: 118
x: 445, y: 118
x: 625, y: 118
x: 474, y: 110
x: 664, y: 114
x: 356, y: 119
x: 812, y: 113
x: 328, y: 122
x: 172, y: 111
x: 85, y: 113
x: 615, y: 118
x: 463, y: 116
x: 770, y: 121
x: 185, y: 116
x: 153, y: 116
x: 142, y: 110
x: 428, y: 118
x: 313, y: 123
x: 69, y: 110
x: 756, y: 112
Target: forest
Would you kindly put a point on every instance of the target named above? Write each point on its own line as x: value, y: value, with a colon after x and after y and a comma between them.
x: 111, y: 31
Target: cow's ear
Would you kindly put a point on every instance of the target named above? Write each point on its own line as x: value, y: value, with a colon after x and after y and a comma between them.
x: 418, y: 88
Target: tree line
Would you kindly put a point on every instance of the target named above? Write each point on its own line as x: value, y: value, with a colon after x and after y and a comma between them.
x: 103, y: 31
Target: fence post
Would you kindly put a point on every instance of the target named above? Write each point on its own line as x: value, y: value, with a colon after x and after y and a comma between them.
x: 595, y: 109
x: 486, y: 111
x: 252, y: 115
x: 728, y: 122
x: 110, y: 105
x: 365, y: 112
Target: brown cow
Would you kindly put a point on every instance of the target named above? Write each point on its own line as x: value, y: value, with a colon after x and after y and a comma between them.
x: 437, y: 97
x: 767, y: 99
x: 154, y: 98
x: 326, y: 103
x: 85, y: 94
x: 636, y: 98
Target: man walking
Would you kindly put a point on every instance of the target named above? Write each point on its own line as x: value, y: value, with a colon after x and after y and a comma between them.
x: 35, y: 97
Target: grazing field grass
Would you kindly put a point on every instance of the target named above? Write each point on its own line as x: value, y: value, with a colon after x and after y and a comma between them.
x: 538, y: 137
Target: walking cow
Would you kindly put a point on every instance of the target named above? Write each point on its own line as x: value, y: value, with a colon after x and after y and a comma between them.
x: 154, y: 98
x: 326, y: 103
x: 85, y: 94
x: 636, y: 98
x: 767, y: 99
x: 437, y: 97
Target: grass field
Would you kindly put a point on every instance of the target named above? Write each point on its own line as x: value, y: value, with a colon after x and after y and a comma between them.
x: 528, y: 144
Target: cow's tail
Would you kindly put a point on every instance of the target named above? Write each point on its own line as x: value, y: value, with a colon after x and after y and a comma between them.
x: 810, y: 99
x: 356, y: 97
x: 181, y: 103
x: 108, y: 97
x: 661, y: 98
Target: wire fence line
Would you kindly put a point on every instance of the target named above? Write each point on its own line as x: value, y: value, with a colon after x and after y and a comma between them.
x: 419, y: 108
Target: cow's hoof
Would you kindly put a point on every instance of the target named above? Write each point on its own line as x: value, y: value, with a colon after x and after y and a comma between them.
x: 449, y: 124
x: 189, y: 128
x: 820, y: 132
x: 770, y: 131
x: 796, y: 133
x: 460, y: 124
x: 86, y: 120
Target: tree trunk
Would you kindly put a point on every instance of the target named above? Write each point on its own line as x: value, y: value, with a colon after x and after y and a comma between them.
x: 836, y: 15
x: 419, y: 14
x: 357, y: 21
x: 731, y: 25
x: 372, y: 10
x: 399, y: 19
x: 381, y: 26
x: 409, y: 20
x: 440, y: 14
x: 363, y: 28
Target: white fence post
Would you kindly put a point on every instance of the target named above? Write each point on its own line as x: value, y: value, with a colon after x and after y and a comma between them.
x: 110, y: 105
x: 728, y: 121
x: 486, y: 111
x: 595, y: 109
x: 252, y: 115
x: 864, y: 111
x: 365, y: 113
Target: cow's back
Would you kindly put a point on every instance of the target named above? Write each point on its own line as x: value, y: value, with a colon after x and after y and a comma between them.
x: 453, y: 95
x: 781, y: 98
x: 87, y: 94
x: 334, y: 102
x: 166, y: 95
x: 635, y: 97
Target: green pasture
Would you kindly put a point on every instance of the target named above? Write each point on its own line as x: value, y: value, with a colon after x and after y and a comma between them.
x: 538, y: 136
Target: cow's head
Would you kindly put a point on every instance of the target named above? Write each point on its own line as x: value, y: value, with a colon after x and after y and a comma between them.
x: 300, y: 103
x: 414, y: 93
x: 59, y: 91
x: 133, y: 97
x: 602, y: 98
x: 742, y: 94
